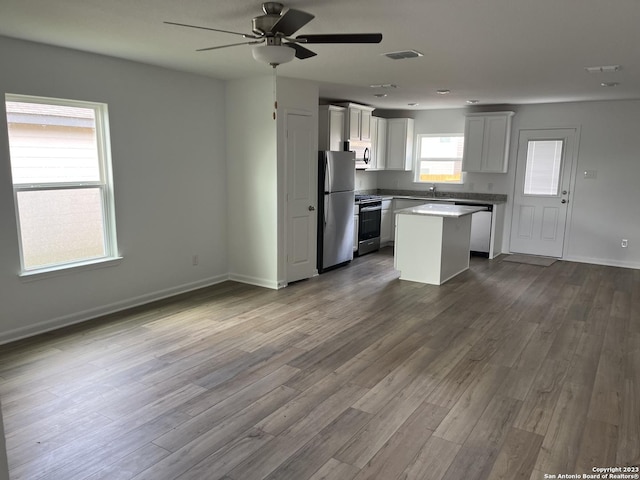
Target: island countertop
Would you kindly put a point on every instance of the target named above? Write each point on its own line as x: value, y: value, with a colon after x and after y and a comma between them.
x: 440, y: 210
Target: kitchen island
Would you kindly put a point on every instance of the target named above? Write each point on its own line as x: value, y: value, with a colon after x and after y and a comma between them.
x: 432, y: 242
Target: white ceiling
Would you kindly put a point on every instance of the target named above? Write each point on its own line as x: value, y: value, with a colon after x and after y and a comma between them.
x: 495, y: 51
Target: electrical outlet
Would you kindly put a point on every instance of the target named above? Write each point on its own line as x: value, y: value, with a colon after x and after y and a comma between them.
x: 194, y: 260
x: 624, y: 243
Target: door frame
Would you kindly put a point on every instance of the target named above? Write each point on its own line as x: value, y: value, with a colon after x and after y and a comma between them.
x: 283, y: 118
x: 572, y: 180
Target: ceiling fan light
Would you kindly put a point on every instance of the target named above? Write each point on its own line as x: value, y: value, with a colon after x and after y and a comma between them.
x: 273, y: 54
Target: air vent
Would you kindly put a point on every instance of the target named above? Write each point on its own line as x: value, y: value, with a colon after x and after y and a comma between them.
x: 604, y: 69
x: 403, y: 54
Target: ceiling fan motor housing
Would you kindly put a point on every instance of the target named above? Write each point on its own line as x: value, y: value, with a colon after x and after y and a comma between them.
x: 264, y: 23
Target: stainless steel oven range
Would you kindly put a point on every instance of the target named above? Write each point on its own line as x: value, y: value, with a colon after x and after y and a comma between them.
x: 369, y: 218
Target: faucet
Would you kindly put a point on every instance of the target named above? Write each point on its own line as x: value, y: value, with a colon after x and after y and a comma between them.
x: 432, y: 189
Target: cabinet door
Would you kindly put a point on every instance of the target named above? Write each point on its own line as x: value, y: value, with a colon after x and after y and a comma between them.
x: 336, y: 130
x: 356, y: 226
x: 495, y: 143
x: 365, y: 125
x: 381, y: 143
x: 373, y: 159
x: 473, y: 144
x: 399, y: 144
x: 385, y: 226
x: 354, y: 123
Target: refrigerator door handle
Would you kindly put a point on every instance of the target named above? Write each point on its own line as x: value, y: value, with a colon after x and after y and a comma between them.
x: 325, y: 212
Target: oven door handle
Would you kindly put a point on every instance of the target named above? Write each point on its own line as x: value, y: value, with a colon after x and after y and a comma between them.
x: 371, y: 209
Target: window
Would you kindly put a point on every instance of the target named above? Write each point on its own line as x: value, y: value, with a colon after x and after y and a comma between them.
x: 542, y: 172
x: 439, y: 158
x: 61, y: 172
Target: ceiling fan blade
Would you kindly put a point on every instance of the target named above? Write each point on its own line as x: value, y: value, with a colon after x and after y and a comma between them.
x: 291, y: 22
x: 341, y: 38
x: 301, y: 52
x: 245, y: 35
x: 254, y: 42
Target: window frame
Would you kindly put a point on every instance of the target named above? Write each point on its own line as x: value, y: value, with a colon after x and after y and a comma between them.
x: 419, y: 158
x: 104, y: 184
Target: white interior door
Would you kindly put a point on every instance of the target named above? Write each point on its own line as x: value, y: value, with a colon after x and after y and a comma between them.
x: 542, y: 195
x: 301, y: 161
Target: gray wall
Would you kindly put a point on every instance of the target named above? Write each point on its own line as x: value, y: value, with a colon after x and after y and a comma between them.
x: 169, y: 166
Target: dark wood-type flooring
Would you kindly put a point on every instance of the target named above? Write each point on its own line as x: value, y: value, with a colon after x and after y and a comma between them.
x: 509, y: 371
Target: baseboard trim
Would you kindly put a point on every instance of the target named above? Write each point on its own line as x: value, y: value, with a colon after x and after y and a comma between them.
x: 83, y: 316
x: 604, y: 262
x: 258, y: 282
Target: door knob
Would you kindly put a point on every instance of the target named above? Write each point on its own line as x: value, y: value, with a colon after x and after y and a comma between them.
x: 311, y: 208
x: 563, y: 201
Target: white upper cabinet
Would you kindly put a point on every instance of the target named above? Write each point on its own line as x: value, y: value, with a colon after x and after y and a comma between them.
x: 486, y: 142
x: 331, y: 121
x: 358, y: 122
x: 378, y: 143
x: 399, y: 144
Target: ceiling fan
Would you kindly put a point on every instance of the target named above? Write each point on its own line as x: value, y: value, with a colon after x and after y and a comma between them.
x: 271, y: 33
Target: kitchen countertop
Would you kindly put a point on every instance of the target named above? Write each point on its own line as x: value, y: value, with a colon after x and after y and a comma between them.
x: 442, y: 196
x: 445, y: 199
x: 435, y: 210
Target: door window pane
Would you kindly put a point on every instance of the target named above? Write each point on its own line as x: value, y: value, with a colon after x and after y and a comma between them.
x: 542, y: 175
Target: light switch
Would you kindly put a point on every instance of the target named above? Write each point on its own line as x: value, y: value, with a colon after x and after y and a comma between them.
x: 590, y: 174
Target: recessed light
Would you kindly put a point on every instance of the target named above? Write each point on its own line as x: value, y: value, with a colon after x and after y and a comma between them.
x: 413, y: 104
x: 380, y: 95
x: 384, y: 85
x: 443, y: 91
x: 604, y: 69
x: 609, y: 84
x: 472, y: 102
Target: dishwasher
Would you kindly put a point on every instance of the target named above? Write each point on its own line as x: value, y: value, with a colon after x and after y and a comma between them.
x: 480, y: 230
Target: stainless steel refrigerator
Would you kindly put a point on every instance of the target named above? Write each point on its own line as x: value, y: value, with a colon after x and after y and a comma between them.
x: 336, y: 181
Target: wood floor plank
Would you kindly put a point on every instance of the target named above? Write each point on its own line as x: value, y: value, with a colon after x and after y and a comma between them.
x: 402, y: 448
x: 335, y: 470
x: 362, y: 447
x: 209, y: 442
x: 517, y: 456
x: 433, y: 460
x: 523, y: 370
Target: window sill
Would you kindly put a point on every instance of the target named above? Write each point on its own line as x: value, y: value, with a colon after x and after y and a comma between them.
x: 59, y: 270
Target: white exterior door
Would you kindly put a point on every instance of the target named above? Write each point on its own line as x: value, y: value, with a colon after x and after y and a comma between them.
x: 542, y: 195
x: 301, y: 161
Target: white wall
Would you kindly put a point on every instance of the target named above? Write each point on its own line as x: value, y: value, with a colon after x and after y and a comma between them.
x: 602, y: 211
x: 252, y: 181
x: 168, y: 149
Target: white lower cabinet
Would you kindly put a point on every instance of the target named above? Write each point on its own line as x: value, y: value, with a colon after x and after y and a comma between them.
x: 356, y: 218
x: 386, y: 223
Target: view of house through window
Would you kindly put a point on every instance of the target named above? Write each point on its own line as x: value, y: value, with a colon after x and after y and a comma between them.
x: 439, y: 158
x: 61, y: 175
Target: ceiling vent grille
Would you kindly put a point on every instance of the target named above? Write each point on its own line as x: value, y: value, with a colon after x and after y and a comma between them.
x: 403, y: 54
